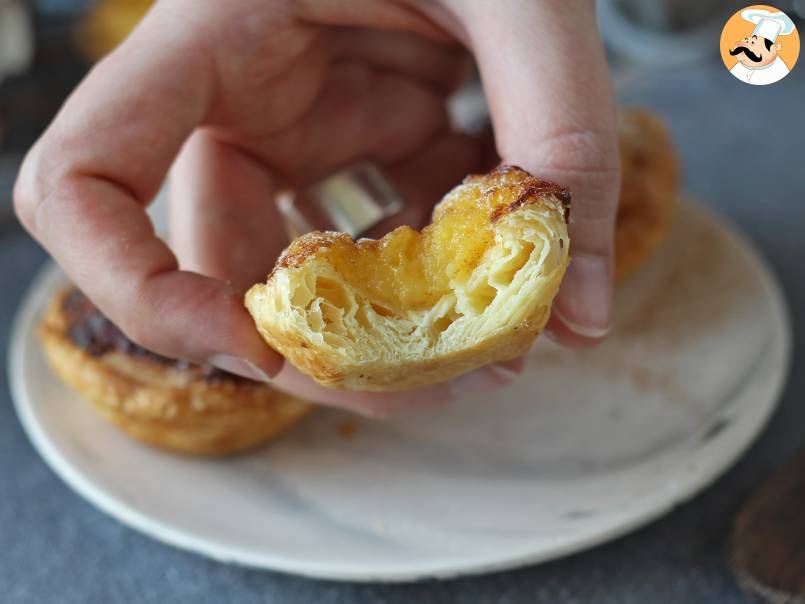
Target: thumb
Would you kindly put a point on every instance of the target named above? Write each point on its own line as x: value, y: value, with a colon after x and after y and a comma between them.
x: 547, y: 83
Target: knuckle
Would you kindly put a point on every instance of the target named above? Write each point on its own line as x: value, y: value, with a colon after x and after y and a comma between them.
x: 587, y: 161
x: 577, y: 151
x: 44, y: 172
x: 25, y: 194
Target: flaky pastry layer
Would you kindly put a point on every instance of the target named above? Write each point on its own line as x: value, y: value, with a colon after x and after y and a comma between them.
x: 411, y: 309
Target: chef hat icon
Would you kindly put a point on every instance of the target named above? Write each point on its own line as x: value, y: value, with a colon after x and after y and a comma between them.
x: 768, y: 25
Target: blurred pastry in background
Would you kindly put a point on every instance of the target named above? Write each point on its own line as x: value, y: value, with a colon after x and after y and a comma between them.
x: 108, y: 23
x: 171, y: 404
x: 649, y: 189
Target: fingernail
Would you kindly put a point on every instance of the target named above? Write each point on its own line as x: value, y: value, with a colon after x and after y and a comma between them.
x: 493, y: 376
x: 375, y: 413
x: 516, y: 365
x: 238, y: 366
x: 584, y: 301
x: 549, y: 333
x: 504, y: 374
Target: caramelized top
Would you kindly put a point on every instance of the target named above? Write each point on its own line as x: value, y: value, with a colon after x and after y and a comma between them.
x: 410, y: 270
x: 90, y: 330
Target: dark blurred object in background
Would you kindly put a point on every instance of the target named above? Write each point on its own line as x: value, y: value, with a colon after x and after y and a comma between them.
x: 46, y: 47
x: 29, y: 99
x: 62, y: 8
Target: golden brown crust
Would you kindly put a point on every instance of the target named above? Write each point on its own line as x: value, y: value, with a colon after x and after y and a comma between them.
x: 649, y: 190
x: 534, y: 190
x: 166, y: 406
x: 330, y: 370
x: 488, y: 306
x: 306, y: 246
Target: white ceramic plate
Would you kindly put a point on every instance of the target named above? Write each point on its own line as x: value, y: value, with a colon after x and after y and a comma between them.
x: 585, y: 447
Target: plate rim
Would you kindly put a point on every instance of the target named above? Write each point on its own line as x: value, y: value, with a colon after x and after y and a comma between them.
x: 82, y: 483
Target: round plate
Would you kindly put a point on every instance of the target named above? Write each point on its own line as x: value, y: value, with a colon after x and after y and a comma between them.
x: 586, y: 446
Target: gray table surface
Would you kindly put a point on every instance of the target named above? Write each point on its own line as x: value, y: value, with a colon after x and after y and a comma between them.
x: 744, y: 154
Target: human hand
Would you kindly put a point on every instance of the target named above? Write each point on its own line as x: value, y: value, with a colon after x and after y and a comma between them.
x: 547, y: 84
x: 257, y: 96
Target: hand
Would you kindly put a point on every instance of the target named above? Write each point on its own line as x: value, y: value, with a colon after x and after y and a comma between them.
x: 547, y: 83
x: 259, y: 95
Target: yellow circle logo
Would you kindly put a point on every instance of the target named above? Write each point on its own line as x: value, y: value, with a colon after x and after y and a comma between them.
x: 759, y: 45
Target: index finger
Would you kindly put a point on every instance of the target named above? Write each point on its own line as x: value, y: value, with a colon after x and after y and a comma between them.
x: 84, y: 186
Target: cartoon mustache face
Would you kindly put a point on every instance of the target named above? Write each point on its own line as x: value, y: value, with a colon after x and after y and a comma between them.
x: 743, y: 49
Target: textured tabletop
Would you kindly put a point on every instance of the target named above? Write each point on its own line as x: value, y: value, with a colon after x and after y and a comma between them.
x: 744, y: 154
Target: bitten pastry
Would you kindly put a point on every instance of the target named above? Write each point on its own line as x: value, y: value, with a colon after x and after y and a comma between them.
x: 649, y: 189
x: 414, y: 308
x: 171, y: 404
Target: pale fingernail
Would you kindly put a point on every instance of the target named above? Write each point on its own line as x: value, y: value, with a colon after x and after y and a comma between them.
x: 238, y: 366
x: 493, y: 376
x: 375, y: 413
x: 516, y: 365
x: 584, y: 301
x: 504, y: 374
x: 549, y: 333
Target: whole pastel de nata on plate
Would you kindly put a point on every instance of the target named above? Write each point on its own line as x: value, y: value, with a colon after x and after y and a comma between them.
x: 163, y: 402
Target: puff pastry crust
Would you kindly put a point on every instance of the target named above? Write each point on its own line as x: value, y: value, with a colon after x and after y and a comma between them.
x: 174, y: 407
x: 414, y: 308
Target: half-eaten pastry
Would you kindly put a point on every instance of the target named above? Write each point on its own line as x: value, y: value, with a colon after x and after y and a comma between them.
x: 413, y: 308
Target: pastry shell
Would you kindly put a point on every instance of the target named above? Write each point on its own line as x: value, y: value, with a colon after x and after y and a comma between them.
x: 343, y: 333
x: 167, y: 406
